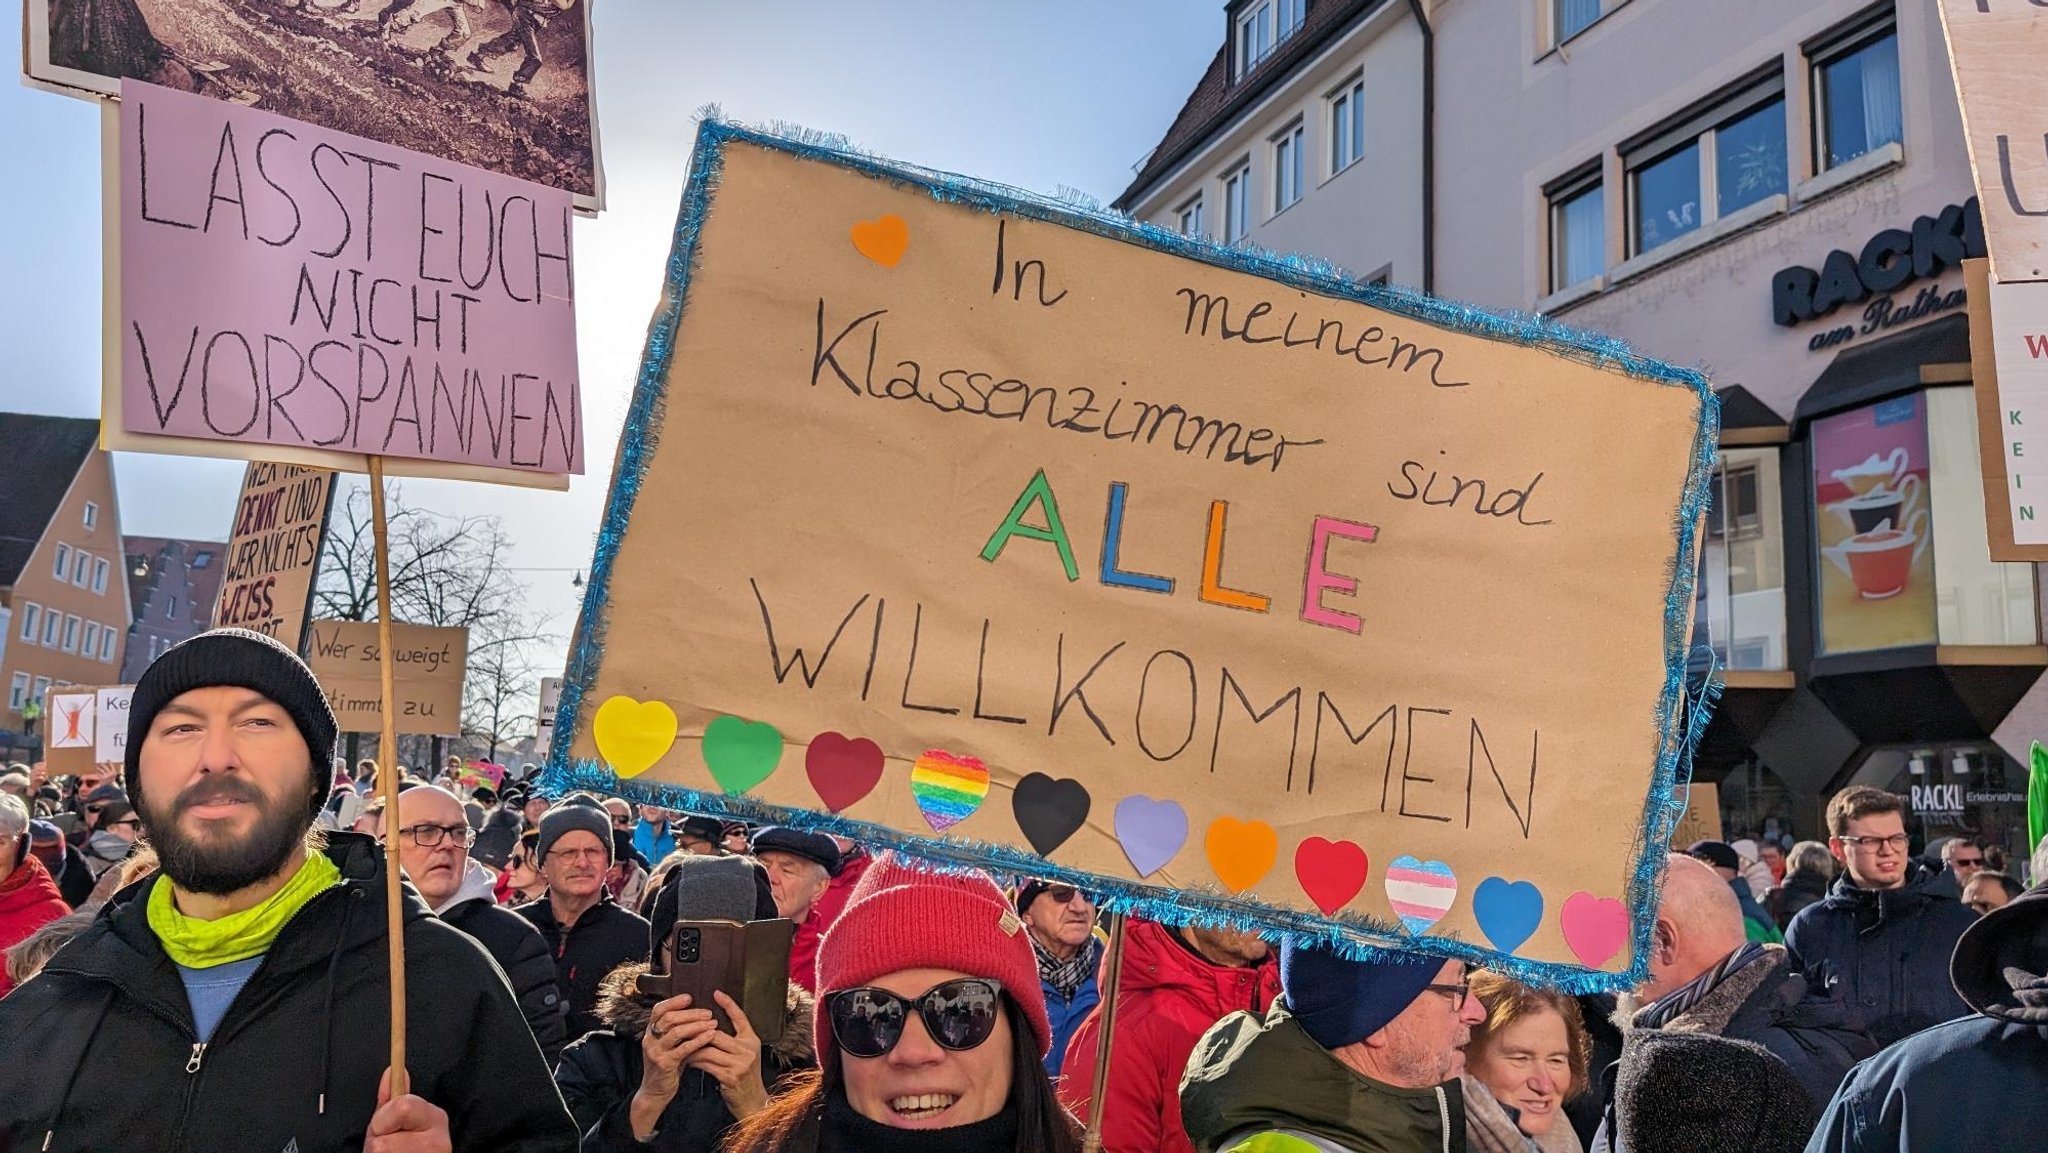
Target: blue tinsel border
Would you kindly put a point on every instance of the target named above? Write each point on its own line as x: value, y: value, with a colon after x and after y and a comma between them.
x: 1682, y: 714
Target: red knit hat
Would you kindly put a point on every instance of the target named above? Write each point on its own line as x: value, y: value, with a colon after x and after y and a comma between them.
x: 900, y: 917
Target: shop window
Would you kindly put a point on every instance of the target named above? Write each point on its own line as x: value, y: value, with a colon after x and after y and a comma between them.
x: 1741, y: 589
x: 1713, y: 164
x: 1900, y: 527
x: 1578, y: 230
x: 1856, y: 106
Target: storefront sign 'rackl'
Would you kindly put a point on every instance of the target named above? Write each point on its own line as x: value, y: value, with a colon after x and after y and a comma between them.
x: 1889, y: 261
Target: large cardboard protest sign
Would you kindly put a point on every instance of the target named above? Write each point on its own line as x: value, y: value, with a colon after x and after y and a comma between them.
x: 273, y: 555
x: 1009, y: 534
x: 87, y: 728
x: 1995, y: 50
x: 283, y: 292
x: 428, y: 676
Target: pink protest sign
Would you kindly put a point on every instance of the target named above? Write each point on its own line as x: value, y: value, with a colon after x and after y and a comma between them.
x: 286, y: 285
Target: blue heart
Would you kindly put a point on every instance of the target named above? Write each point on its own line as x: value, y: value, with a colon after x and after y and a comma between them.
x: 1508, y: 911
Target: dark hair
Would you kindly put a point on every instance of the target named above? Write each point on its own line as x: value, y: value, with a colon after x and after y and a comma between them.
x: 2012, y: 888
x: 1858, y: 802
x: 790, y: 1122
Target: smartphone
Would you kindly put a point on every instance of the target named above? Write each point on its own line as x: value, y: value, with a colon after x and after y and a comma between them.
x: 748, y: 962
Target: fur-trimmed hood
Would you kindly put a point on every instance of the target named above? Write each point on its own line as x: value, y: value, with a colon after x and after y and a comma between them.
x: 622, y: 1006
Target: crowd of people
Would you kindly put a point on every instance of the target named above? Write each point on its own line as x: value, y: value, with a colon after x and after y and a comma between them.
x: 196, y: 952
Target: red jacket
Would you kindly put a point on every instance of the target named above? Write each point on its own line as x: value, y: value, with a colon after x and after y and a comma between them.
x: 1166, y: 999
x: 28, y: 901
x: 803, y: 952
x: 840, y: 890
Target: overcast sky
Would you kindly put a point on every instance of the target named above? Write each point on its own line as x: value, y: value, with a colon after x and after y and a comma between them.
x: 1033, y: 94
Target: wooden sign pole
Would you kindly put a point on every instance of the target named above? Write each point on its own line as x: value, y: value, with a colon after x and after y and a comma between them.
x: 1112, y: 976
x: 387, y: 780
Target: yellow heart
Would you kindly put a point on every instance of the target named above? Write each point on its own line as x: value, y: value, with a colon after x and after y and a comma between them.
x: 632, y: 735
x: 882, y: 240
x: 1241, y: 852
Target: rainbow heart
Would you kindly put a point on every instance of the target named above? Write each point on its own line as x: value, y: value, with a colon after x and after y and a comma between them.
x: 741, y: 754
x: 1421, y: 891
x: 947, y: 787
x: 1595, y: 928
x: 632, y: 735
x: 1241, y: 852
x: 882, y: 240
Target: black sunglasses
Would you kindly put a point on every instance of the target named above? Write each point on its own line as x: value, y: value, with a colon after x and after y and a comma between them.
x: 959, y: 1014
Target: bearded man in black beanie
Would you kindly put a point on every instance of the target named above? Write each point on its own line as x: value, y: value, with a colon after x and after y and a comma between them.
x: 240, y: 998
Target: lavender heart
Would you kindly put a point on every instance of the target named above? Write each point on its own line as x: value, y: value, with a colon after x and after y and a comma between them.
x: 1150, y: 831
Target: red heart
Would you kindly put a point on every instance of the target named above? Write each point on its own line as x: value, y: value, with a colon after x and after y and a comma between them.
x: 843, y: 769
x: 1330, y: 872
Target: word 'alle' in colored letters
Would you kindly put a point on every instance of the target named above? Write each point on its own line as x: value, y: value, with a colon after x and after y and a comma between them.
x: 1317, y: 582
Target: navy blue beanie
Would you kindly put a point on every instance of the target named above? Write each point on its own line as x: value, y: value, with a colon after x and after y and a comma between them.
x: 1340, y: 1002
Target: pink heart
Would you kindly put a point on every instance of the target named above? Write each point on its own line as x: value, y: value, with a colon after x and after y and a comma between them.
x: 1595, y: 928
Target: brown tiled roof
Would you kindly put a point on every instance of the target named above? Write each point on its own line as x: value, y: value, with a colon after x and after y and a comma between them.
x: 1216, y: 101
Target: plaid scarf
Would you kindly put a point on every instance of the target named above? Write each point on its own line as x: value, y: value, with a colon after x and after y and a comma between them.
x: 1672, y: 1005
x: 1067, y: 977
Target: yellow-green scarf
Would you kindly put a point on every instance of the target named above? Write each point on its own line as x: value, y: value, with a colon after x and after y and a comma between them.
x: 198, y: 944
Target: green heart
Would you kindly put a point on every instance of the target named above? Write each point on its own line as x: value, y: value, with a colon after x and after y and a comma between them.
x: 741, y: 754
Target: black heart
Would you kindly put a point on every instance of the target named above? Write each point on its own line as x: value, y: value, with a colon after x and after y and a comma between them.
x: 1049, y: 811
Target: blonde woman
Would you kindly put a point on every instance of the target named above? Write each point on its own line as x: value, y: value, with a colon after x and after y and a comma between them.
x: 1530, y: 1056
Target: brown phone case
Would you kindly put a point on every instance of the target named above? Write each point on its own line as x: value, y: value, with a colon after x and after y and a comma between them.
x: 747, y: 962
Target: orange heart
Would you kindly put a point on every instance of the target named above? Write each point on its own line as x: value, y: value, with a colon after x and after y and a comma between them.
x: 1241, y: 852
x: 882, y: 241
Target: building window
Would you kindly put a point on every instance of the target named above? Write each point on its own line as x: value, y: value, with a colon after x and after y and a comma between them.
x: 1254, y: 36
x: 31, y: 613
x: 1578, y: 230
x: 81, y: 567
x: 1711, y: 165
x: 1291, y: 14
x: 99, y: 575
x: 1189, y: 218
x: 1237, y: 205
x: 1856, y: 95
x: 92, y: 515
x: 107, y: 638
x: 1741, y: 590
x: 1347, y: 126
x: 70, y: 633
x: 53, y: 628
x: 1573, y: 17
x: 92, y: 638
x: 153, y: 649
x: 170, y: 608
x: 1287, y: 167
x: 62, y: 569
x: 202, y: 558
x: 42, y: 689
x: 17, y: 692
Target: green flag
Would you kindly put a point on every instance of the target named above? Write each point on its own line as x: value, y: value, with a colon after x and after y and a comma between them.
x: 2037, y: 797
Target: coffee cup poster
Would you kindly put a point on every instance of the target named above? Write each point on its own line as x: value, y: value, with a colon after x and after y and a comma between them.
x: 1871, y: 516
x: 1019, y: 535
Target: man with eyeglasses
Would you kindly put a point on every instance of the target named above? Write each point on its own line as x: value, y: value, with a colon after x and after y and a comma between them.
x: 115, y: 829
x: 1060, y: 920
x: 588, y: 932
x: 433, y: 843
x: 1961, y: 859
x: 1881, y: 938
x: 1355, y: 1055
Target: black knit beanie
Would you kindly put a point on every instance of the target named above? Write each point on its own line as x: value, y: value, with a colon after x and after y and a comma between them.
x: 1698, y: 1093
x: 242, y: 659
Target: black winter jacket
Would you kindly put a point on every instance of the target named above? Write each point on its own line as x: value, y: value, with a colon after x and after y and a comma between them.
x: 1801, y: 888
x: 600, y: 1073
x: 1980, y: 1083
x: 517, y: 948
x: 603, y: 938
x: 98, y: 1051
x: 1884, y: 953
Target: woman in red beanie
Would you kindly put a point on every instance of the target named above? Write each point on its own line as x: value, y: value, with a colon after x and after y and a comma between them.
x: 931, y: 1029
